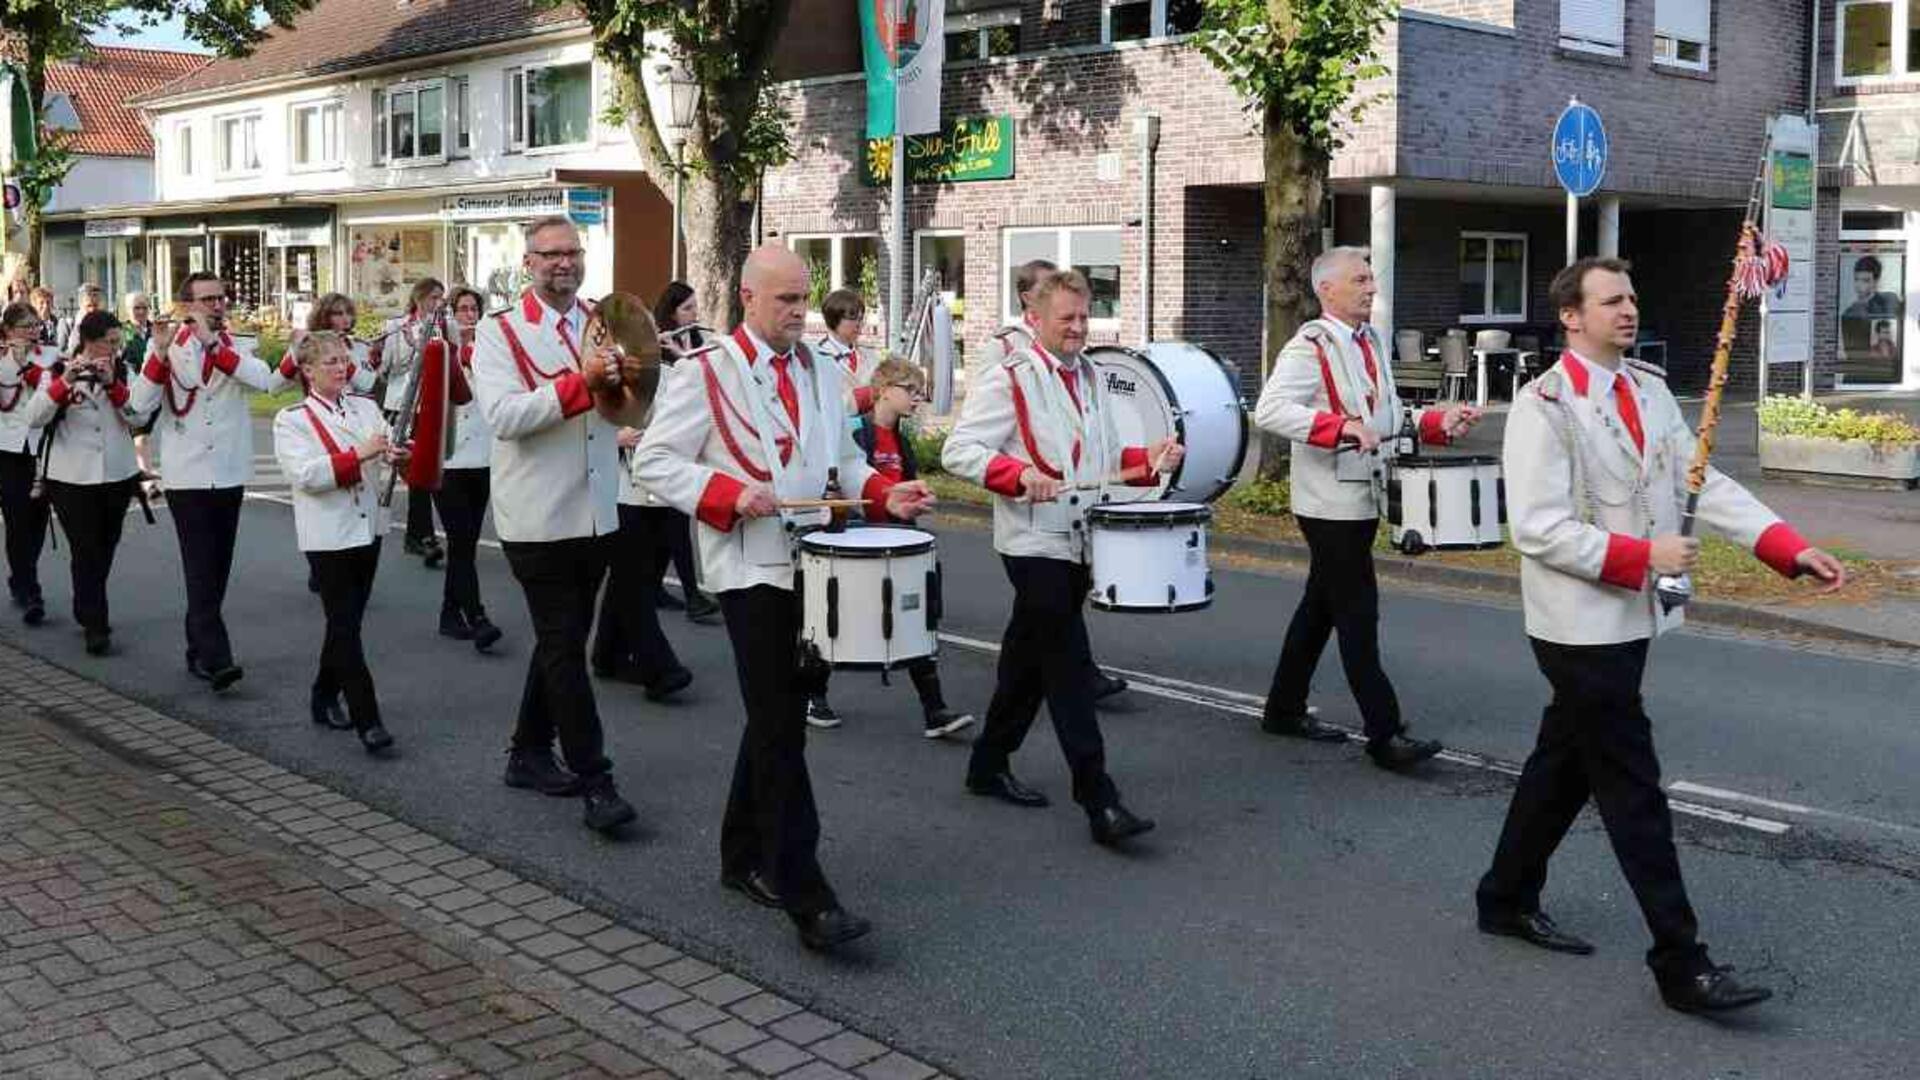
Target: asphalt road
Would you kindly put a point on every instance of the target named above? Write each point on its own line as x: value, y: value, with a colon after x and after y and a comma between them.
x: 1297, y: 914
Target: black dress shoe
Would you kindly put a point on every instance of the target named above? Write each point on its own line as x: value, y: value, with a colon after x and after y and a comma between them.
x: 454, y: 624
x: 1004, y: 787
x: 328, y: 714
x: 431, y: 553
x: 1397, y: 753
x: 1105, y: 685
x: 669, y: 684
x: 1301, y: 726
x: 666, y: 601
x: 1713, y: 990
x: 375, y: 739
x: 197, y: 669
x: 826, y: 929
x: 485, y: 634
x: 223, y: 677
x: 536, y: 770
x: 754, y: 887
x: 98, y: 642
x: 1112, y: 824
x: 1535, y: 928
x: 702, y: 609
x: 605, y: 810
x: 36, y: 612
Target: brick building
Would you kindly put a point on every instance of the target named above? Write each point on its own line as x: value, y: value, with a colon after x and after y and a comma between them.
x: 1448, y: 168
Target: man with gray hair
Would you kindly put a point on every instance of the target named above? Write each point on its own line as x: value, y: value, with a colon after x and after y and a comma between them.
x: 1331, y: 394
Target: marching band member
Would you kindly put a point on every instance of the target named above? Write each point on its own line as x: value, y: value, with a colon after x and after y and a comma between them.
x: 201, y: 382
x: 555, y: 465
x: 629, y: 644
x: 1596, y: 458
x: 21, y: 370
x: 734, y: 433
x: 141, y: 332
x: 845, y: 314
x: 331, y: 447
x: 1036, y: 432
x: 83, y: 409
x: 335, y: 312
x: 464, y: 488
x: 1331, y: 393
x: 400, y: 360
x: 678, y: 308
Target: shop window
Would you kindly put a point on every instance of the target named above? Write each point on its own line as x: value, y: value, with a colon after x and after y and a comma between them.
x: 416, y: 123
x: 1593, y: 26
x: 945, y: 253
x: 1493, y: 277
x: 550, y: 106
x: 316, y: 134
x: 384, y: 261
x: 983, y: 35
x: 1681, y: 31
x: 237, y: 256
x: 1092, y: 250
x: 237, y: 142
x: 843, y: 261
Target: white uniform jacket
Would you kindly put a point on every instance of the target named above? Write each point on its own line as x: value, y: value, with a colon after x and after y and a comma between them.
x: 856, y: 372
x: 94, y: 441
x: 336, y: 496
x: 717, y: 423
x: 1008, y: 341
x: 17, y: 384
x: 1584, y: 502
x: 360, y: 377
x: 1050, y: 413
x: 555, y: 460
x: 472, y: 438
x: 201, y: 395
x: 1320, y: 380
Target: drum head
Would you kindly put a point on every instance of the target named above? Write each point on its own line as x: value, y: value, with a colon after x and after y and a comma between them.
x: 869, y: 542
x: 1139, y: 400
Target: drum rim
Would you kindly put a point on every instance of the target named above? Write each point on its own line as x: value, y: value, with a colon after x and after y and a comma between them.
x: 1179, y: 415
x: 1105, y: 514
x: 1166, y: 391
x: 1161, y: 609
x: 1451, y: 461
x: 917, y: 547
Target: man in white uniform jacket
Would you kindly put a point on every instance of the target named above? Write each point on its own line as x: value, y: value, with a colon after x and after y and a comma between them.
x: 734, y: 433
x: 1035, y: 431
x: 1331, y: 393
x: 555, y: 482
x: 200, y: 386
x: 1596, y: 459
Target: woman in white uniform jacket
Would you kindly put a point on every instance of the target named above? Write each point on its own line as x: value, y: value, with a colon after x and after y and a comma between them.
x: 402, y: 361
x: 465, y: 486
x: 331, y: 446
x: 23, y: 363
x: 90, y: 464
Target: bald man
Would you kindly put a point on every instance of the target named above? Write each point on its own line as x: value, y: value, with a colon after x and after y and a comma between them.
x: 735, y: 433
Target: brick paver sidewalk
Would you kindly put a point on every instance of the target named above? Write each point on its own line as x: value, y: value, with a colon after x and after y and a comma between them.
x: 172, y: 906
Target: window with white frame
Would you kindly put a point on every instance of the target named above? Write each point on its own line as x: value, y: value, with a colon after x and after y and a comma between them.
x: 982, y: 35
x: 1594, y: 26
x: 316, y: 134
x: 839, y: 261
x: 1135, y: 20
x: 416, y: 123
x: 237, y: 144
x: 1493, y: 277
x: 1876, y: 40
x: 1682, y: 30
x: 550, y: 106
x: 1094, y: 250
x: 943, y: 251
x: 462, y: 118
x: 183, y: 147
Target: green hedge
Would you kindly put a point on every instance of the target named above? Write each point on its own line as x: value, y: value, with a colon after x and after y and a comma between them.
x: 1810, y: 419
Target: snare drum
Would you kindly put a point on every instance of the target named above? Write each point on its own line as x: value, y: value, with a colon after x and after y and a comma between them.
x: 1446, y: 503
x: 1173, y: 388
x: 1150, y: 556
x: 870, y: 596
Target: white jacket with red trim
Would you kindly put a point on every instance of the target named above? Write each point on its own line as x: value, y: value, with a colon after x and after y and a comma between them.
x: 206, y: 433
x: 17, y: 384
x: 336, y: 496
x: 1319, y: 382
x: 555, y: 460
x: 472, y: 438
x: 1020, y: 413
x: 704, y: 444
x: 1584, y: 502
x: 94, y: 442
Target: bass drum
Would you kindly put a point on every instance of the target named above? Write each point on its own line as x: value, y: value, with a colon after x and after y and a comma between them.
x: 1173, y: 388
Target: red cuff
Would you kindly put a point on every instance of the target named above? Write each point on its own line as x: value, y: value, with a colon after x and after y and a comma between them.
x: 1326, y: 430
x: 862, y: 400
x: 1626, y: 564
x: 31, y: 375
x: 287, y: 366
x: 117, y: 393
x: 224, y: 360
x: 1135, y: 466
x: 1003, y: 476
x: 58, y: 390
x: 1780, y: 548
x: 719, y: 502
x: 574, y: 396
x: 155, y: 370
x: 875, y: 493
x: 1433, y: 428
x: 346, y: 468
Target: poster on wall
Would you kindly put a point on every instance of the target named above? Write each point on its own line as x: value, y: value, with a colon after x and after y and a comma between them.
x: 385, y: 262
x: 1872, y: 284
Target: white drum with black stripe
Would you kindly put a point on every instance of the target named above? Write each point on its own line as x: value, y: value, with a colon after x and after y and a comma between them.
x: 1150, y: 557
x: 1173, y: 388
x: 870, y: 596
x: 1446, y: 503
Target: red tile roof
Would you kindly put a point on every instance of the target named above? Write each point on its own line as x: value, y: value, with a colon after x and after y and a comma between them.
x: 99, y: 87
x: 345, y: 35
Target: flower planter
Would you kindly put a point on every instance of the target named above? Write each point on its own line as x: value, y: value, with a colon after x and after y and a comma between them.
x: 1839, y: 461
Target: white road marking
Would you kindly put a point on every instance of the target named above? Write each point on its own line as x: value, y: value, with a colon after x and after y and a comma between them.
x: 1687, y: 787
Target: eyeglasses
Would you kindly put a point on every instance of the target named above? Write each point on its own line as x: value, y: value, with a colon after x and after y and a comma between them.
x: 913, y: 392
x: 569, y: 254
x: 216, y: 298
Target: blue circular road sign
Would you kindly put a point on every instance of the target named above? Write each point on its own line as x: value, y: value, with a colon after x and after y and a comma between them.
x: 1579, y: 150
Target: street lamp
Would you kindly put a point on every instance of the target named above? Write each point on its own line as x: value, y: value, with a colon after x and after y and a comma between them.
x: 683, y: 98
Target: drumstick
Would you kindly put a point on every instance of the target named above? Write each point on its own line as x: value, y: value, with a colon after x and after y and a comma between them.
x: 821, y: 504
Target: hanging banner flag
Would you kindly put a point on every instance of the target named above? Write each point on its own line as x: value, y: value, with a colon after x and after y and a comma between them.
x: 903, y: 49
x: 876, y: 53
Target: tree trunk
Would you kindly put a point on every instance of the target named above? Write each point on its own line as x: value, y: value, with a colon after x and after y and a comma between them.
x: 718, y: 227
x: 36, y: 64
x: 1295, y: 183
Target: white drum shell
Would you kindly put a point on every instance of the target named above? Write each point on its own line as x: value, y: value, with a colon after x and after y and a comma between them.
x: 846, y: 594
x: 1150, y: 558
x: 1174, y: 388
x: 1446, y: 503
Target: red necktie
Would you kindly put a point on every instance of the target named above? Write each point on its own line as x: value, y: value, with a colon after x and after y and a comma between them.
x: 1373, y: 372
x: 1067, y: 376
x: 566, y: 337
x: 1629, y: 410
x: 789, y: 396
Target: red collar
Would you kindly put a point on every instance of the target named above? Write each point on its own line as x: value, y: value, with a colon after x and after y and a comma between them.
x: 535, y: 309
x: 1576, y: 370
x: 752, y: 352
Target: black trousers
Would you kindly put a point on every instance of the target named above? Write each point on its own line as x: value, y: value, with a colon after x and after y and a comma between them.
x: 26, y: 524
x: 462, y: 502
x: 561, y: 578
x: 92, y: 516
x: 772, y: 824
x: 207, y: 521
x: 629, y: 634
x: 1045, y: 656
x: 346, y: 583
x: 676, y: 529
x: 1341, y: 597
x: 1595, y: 740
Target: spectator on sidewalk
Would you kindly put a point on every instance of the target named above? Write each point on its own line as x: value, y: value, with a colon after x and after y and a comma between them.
x: 53, y: 327
x: 90, y: 299
x: 679, y: 309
